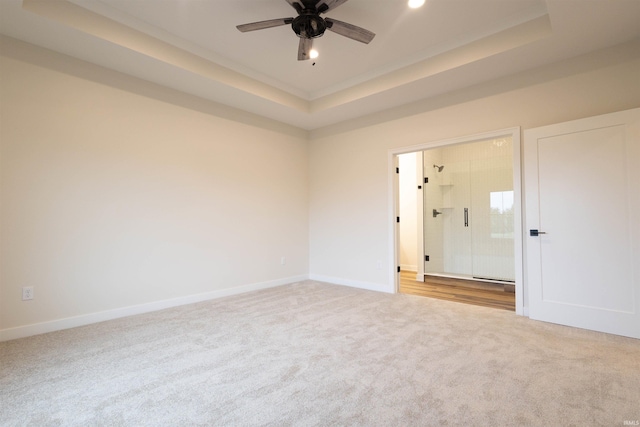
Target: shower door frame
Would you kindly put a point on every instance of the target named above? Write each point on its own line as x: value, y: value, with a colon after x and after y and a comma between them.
x: 394, y: 257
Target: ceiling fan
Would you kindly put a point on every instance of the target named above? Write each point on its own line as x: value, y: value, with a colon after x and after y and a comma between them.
x: 309, y: 24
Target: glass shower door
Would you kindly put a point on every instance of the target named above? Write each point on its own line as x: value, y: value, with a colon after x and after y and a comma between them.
x: 491, y: 218
x: 447, y: 229
x: 468, y: 210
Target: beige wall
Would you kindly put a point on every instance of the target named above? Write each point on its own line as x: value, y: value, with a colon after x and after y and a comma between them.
x: 349, y: 207
x: 116, y: 193
x: 111, y: 199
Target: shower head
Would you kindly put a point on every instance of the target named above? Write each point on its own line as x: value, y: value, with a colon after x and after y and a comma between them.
x: 439, y: 167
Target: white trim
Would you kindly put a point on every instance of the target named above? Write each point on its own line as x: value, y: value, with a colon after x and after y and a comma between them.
x: 378, y: 287
x: 453, y: 141
x: 411, y: 268
x: 518, y: 237
x: 393, y: 195
x: 514, y: 132
x: 420, y: 216
x: 101, y: 316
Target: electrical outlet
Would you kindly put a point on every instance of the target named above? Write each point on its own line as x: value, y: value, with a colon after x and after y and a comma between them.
x: 27, y: 293
x: 283, y: 261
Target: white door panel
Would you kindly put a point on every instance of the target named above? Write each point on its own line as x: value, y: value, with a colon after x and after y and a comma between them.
x: 582, y: 190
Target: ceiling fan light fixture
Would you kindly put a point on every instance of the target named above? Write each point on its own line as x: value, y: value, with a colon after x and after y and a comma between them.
x: 313, y: 54
x: 414, y: 4
x: 309, y: 25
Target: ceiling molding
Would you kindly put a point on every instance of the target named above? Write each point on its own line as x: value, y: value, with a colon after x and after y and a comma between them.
x: 418, y: 55
x: 514, y: 37
x: 46, y: 58
x: 52, y: 60
x: 625, y: 53
x: 82, y: 19
x: 89, y: 22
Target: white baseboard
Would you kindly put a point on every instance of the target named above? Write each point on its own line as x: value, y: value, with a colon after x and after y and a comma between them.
x: 353, y: 283
x: 87, y: 319
x: 406, y: 267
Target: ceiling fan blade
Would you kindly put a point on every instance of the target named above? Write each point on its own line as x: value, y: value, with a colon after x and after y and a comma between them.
x: 261, y: 25
x: 296, y: 4
x: 324, y: 6
x: 349, y: 30
x: 304, y: 48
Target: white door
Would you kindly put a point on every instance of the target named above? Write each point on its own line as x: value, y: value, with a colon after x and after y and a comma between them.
x: 582, y: 189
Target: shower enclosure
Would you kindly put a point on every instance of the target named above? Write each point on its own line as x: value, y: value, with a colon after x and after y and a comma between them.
x: 468, y: 210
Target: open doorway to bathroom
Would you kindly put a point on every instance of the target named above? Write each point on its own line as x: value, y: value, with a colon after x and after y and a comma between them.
x: 464, y: 201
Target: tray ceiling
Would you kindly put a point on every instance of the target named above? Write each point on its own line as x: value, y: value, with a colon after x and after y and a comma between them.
x: 193, y: 46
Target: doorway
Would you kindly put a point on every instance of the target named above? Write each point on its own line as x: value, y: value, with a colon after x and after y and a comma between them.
x: 469, y: 239
x: 469, y: 211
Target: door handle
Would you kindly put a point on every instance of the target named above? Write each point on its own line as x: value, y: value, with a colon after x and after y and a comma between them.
x: 535, y: 233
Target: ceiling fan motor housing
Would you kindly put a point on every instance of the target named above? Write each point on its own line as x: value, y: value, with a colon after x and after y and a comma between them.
x: 309, y: 25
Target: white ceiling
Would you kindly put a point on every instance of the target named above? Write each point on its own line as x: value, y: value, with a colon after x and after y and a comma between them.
x: 193, y: 46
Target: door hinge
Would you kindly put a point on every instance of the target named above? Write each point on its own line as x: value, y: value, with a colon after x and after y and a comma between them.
x: 397, y: 170
x: 426, y: 257
x: 426, y: 179
x: 398, y: 269
x: 397, y: 219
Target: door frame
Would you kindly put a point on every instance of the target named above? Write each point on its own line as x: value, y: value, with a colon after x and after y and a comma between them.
x: 394, y: 197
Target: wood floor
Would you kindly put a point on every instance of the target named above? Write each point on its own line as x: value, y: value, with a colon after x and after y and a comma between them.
x: 465, y: 291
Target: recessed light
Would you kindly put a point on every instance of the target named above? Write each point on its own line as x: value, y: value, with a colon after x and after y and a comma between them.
x: 313, y: 54
x: 414, y: 4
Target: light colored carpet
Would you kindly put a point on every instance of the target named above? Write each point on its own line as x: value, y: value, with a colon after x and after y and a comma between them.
x: 316, y: 354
